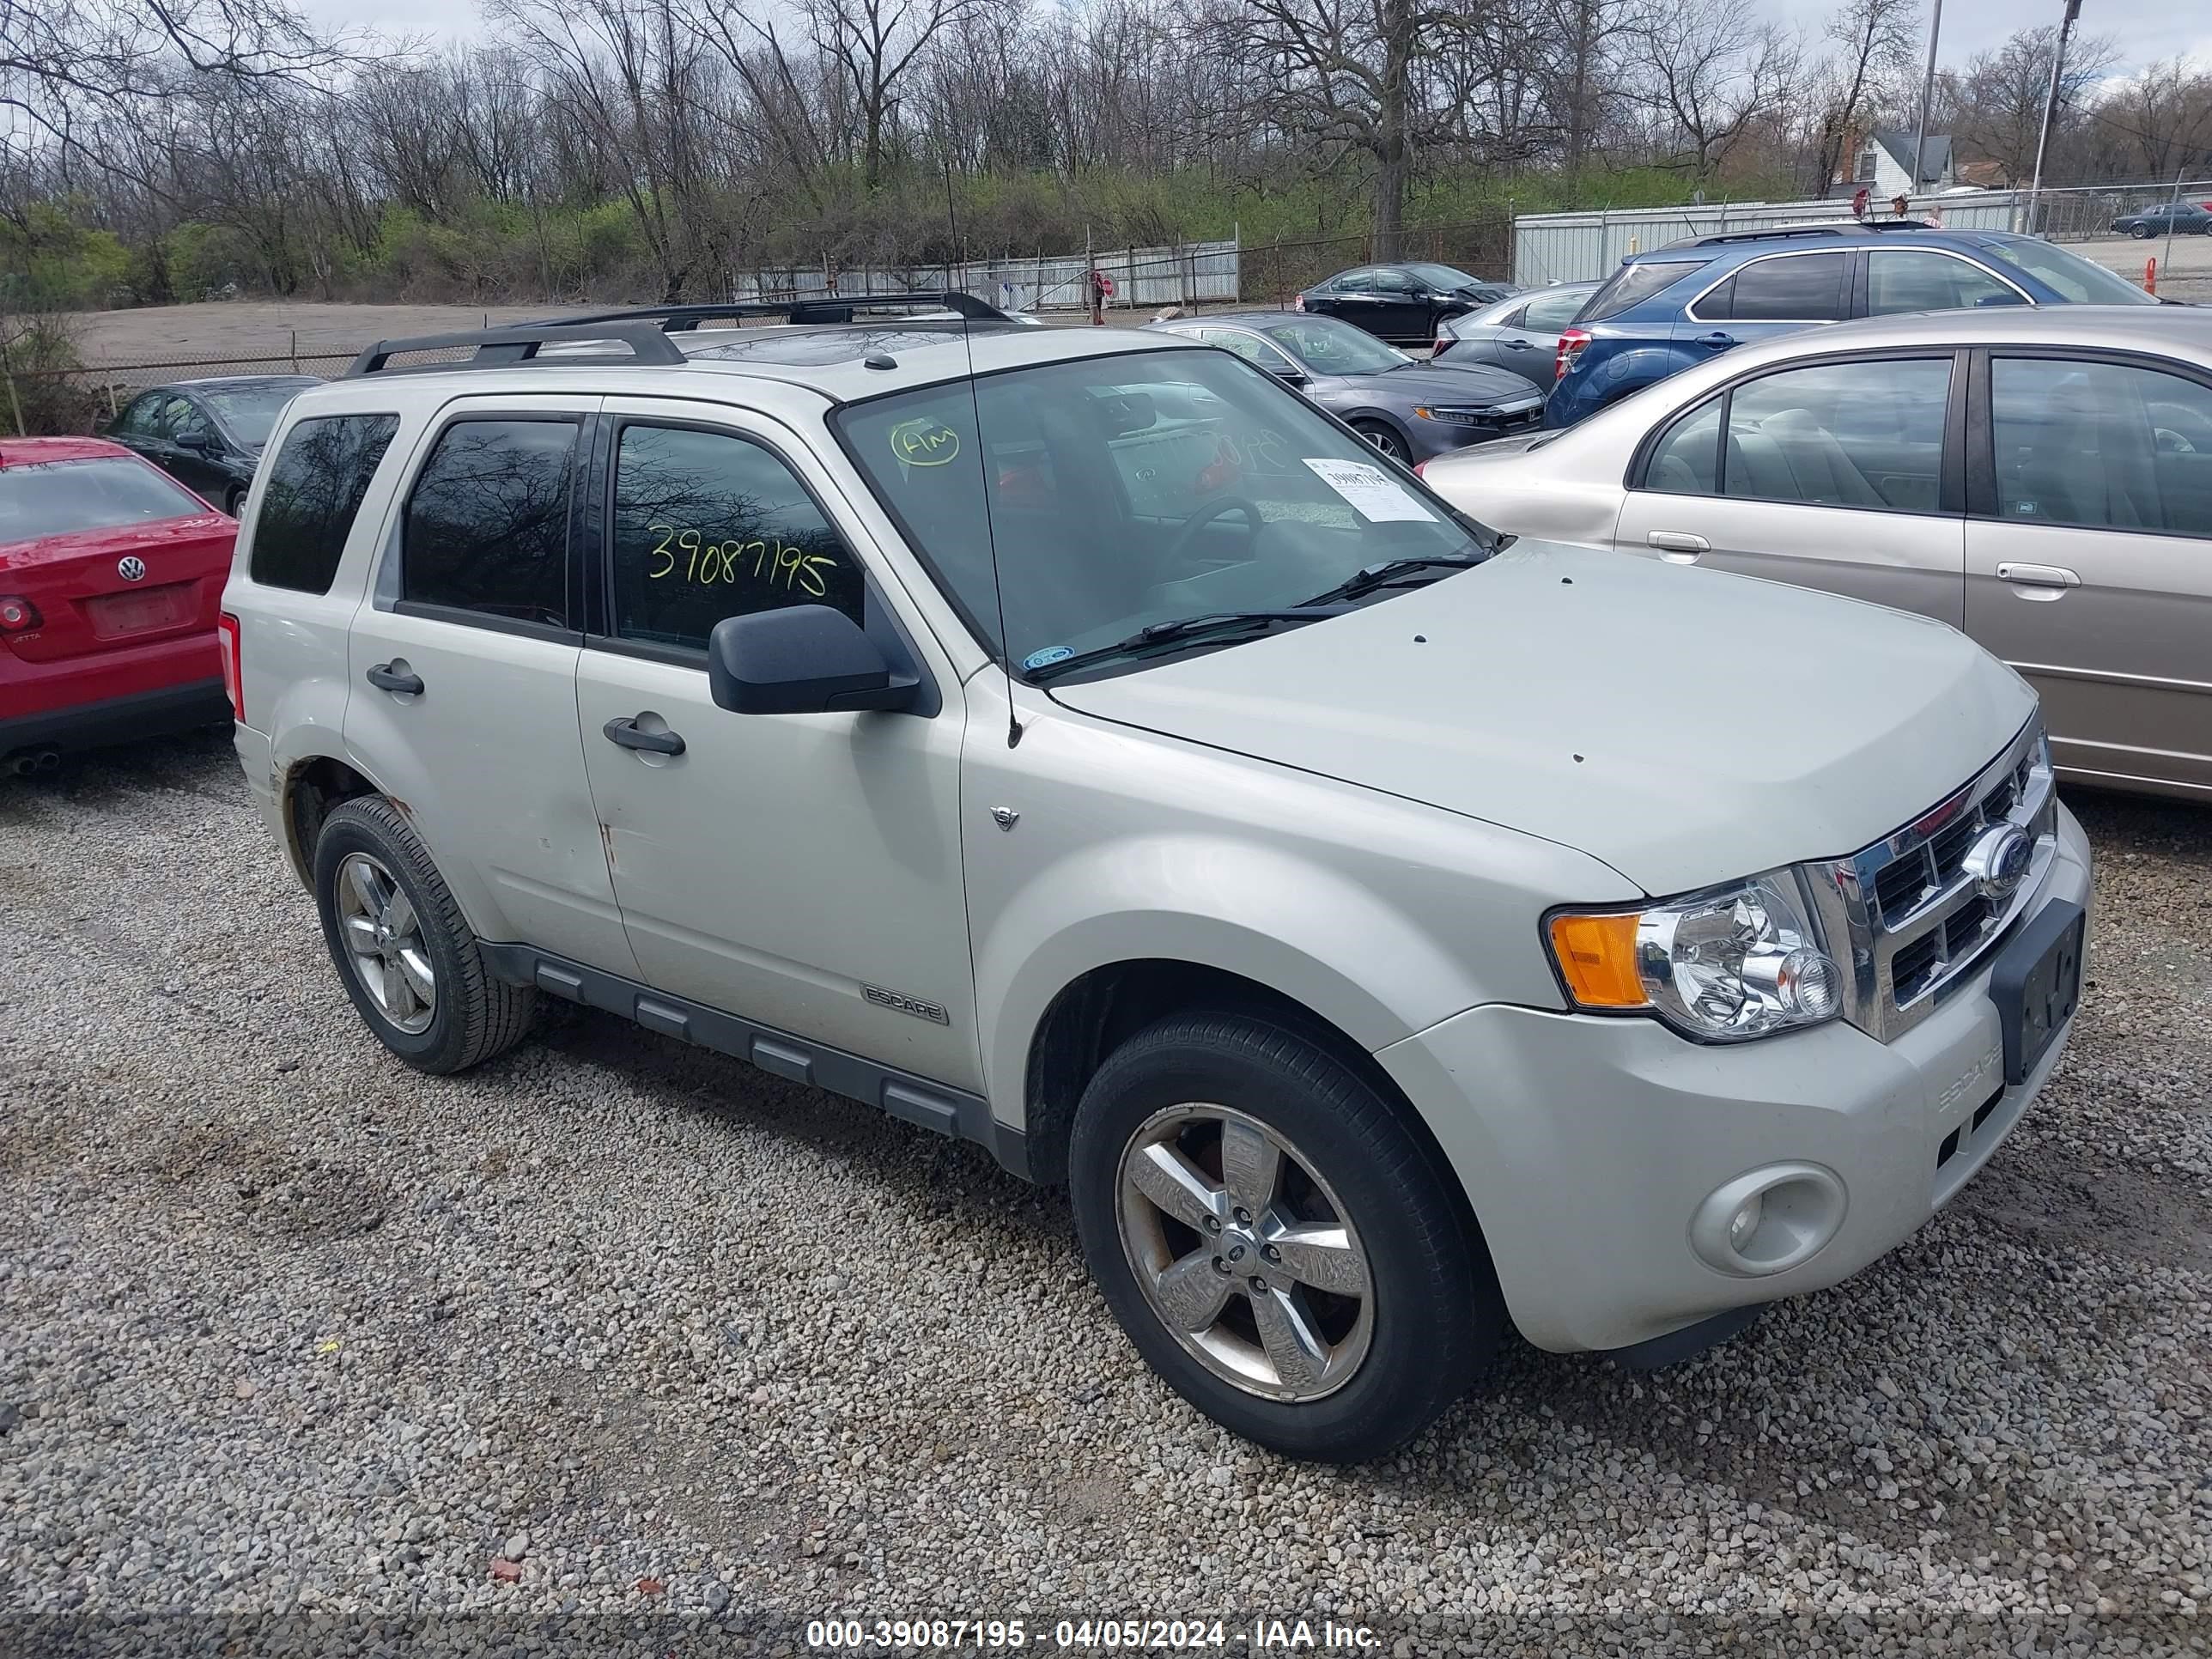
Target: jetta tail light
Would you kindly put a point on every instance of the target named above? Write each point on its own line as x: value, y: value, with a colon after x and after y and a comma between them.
x: 233, y: 682
x: 1571, y: 346
x: 17, y: 616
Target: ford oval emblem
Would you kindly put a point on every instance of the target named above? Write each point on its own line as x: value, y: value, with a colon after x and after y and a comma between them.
x: 1998, y: 861
x: 131, y: 567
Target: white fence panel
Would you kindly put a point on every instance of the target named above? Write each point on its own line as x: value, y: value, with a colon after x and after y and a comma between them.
x: 1142, y: 276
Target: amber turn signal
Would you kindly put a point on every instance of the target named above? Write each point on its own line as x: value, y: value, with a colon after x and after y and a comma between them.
x: 1597, y: 959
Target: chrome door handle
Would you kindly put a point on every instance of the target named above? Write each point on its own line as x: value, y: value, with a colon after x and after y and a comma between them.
x: 2037, y: 575
x: 1678, y: 546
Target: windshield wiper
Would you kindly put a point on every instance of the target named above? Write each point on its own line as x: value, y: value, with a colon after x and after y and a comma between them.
x: 1184, y: 627
x: 1366, y: 580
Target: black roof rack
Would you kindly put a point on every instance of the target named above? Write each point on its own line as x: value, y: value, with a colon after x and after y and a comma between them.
x: 806, y: 308
x: 1781, y: 233
x: 499, y: 348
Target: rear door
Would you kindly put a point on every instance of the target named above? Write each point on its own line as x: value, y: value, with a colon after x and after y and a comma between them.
x: 463, y: 665
x: 1401, y: 310
x: 1839, y: 475
x: 1354, y: 297
x: 2089, y: 554
x: 1774, y: 293
x: 1529, y: 344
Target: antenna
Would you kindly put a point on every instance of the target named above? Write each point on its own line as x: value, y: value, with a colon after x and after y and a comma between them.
x: 983, y: 479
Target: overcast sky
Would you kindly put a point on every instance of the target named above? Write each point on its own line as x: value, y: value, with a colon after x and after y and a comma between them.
x: 2146, y: 30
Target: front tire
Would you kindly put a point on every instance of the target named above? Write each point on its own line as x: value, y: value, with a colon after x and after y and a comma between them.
x: 1275, y: 1238
x: 2142, y: 233
x: 233, y: 498
x: 406, y: 955
x: 1384, y: 439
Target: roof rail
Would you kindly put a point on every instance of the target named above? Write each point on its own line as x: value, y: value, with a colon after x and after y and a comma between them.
x: 500, y: 348
x: 1782, y: 233
x: 810, y: 308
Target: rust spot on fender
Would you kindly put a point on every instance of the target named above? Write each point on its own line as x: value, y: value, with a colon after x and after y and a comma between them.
x: 402, y: 808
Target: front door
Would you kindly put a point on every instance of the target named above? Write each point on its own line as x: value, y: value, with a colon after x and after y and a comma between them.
x: 2089, y: 560
x: 461, y: 667
x: 1833, y: 476
x: 800, y: 870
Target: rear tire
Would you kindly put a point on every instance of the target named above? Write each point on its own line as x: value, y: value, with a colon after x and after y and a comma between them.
x: 233, y: 499
x: 403, y: 949
x: 1375, y: 1309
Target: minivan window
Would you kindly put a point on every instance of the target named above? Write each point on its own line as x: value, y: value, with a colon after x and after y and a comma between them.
x: 1633, y: 284
x: 487, y: 526
x: 1185, y: 483
x: 709, y: 525
x: 1796, y: 288
x: 315, y: 486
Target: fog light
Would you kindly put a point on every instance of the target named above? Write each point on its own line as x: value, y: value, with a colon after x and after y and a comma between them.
x: 1745, y: 1221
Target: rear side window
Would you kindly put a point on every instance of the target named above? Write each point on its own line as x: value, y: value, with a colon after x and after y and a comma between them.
x: 1553, y: 311
x: 709, y: 526
x: 52, y: 498
x: 1686, y: 461
x: 1797, y: 288
x: 315, y: 486
x: 487, y: 526
x: 1633, y: 284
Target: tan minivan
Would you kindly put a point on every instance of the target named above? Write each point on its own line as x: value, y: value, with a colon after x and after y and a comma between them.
x: 2041, y: 479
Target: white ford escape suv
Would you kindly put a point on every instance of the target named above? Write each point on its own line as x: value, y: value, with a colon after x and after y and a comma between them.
x: 1075, y: 741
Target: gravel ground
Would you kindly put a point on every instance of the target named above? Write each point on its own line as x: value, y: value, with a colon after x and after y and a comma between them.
x: 293, y: 1335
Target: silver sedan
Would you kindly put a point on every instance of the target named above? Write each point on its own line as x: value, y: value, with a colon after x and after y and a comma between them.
x: 1520, y: 332
x: 2041, y: 479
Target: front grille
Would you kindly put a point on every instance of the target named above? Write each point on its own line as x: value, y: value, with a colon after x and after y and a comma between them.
x: 1915, y: 921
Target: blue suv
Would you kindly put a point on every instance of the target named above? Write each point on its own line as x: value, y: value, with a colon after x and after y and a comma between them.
x: 1679, y: 305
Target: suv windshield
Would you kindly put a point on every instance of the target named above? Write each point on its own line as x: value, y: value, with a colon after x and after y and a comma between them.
x: 1632, y: 285
x: 1135, y: 490
x: 1330, y: 347
x: 2081, y: 280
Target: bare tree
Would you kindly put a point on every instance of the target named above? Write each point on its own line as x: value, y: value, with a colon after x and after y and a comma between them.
x: 1998, y: 102
x: 2158, y: 121
x: 1704, y: 73
x: 875, y: 43
x: 1872, y: 38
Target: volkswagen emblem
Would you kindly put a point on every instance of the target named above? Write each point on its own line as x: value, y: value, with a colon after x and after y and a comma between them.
x: 1998, y: 861
x: 131, y: 567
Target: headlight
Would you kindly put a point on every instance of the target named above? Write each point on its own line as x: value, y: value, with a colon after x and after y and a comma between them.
x: 1738, y: 962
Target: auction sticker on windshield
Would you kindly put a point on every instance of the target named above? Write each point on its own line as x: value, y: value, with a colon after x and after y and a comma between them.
x: 1370, y: 491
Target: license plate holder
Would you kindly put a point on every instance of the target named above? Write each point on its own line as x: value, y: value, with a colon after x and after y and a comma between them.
x: 167, y: 606
x: 2037, y: 985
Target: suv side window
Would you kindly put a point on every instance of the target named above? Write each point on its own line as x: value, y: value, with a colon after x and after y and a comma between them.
x: 1916, y: 279
x: 1793, y: 288
x: 1865, y: 435
x: 487, y: 523
x: 315, y: 486
x: 709, y: 525
x: 2109, y: 445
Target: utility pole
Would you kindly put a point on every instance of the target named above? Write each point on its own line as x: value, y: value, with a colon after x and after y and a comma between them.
x: 2050, y: 110
x: 1927, y: 98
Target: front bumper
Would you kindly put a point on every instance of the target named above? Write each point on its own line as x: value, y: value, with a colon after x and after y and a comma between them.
x: 1590, y: 1146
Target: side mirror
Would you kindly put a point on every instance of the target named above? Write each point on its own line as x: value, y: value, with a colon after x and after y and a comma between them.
x: 1291, y: 377
x: 804, y: 659
x: 195, y: 439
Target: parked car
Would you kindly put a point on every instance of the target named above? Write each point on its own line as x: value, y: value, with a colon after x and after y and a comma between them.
x: 1520, y: 332
x: 208, y: 434
x: 1679, y: 305
x: 1074, y: 741
x: 1406, y: 408
x: 2182, y: 218
x: 2041, y: 479
x: 110, y: 578
x: 1403, y: 302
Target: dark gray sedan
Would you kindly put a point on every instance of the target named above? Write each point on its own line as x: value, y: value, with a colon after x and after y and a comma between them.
x: 1521, y: 333
x: 1410, y: 411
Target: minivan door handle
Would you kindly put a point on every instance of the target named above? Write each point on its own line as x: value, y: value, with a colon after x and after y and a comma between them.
x: 625, y: 731
x: 385, y: 678
x: 1678, y: 546
x: 2037, y: 575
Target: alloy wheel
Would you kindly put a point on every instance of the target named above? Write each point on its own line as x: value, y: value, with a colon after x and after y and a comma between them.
x: 1244, y: 1253
x: 384, y: 944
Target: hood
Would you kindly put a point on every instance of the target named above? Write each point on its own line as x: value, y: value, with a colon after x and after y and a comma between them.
x: 1686, y: 726
x: 1447, y: 383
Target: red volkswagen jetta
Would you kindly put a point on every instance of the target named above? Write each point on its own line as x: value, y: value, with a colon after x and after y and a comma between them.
x: 110, y: 581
